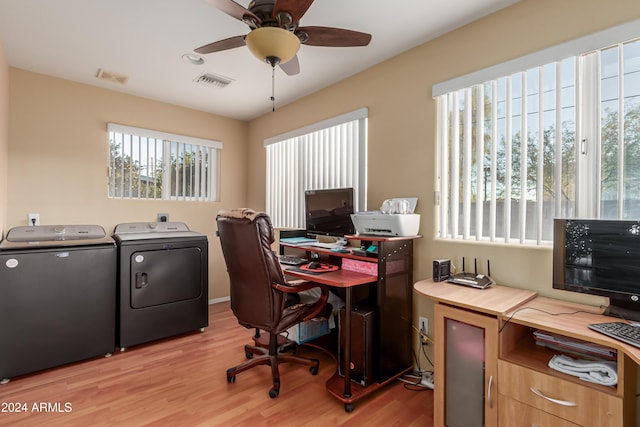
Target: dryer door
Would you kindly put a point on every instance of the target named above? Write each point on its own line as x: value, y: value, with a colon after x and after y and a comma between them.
x: 165, y: 276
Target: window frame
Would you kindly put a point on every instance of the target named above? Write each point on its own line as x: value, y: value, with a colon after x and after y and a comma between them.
x: 587, y: 138
x: 166, y: 140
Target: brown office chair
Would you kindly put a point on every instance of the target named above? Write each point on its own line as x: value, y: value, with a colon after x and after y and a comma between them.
x: 259, y: 290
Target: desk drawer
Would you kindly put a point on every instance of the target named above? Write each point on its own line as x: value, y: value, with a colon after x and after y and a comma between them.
x: 515, y: 414
x: 590, y: 407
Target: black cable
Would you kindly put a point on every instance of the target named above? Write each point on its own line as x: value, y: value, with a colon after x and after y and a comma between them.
x: 543, y: 311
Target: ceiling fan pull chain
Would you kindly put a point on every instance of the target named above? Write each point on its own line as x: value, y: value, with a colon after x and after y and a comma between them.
x: 273, y: 89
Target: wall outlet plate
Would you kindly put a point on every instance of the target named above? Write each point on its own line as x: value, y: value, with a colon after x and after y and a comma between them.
x: 423, y: 327
x: 163, y: 217
x: 33, y: 219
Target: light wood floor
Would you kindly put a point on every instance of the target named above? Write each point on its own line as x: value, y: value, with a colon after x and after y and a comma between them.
x: 182, y: 382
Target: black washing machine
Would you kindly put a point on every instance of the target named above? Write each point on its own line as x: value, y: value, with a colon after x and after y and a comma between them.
x: 57, y: 297
x: 163, y: 281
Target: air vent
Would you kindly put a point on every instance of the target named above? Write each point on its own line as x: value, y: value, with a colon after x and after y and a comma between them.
x: 213, y: 80
x: 112, y: 77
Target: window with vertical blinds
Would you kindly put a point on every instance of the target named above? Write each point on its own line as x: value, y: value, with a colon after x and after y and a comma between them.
x: 150, y: 165
x: 328, y: 154
x: 560, y: 139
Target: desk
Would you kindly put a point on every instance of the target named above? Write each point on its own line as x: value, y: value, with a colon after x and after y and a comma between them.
x: 393, y: 287
x: 508, y: 317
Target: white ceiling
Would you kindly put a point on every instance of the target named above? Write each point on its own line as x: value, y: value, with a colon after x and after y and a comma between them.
x: 145, y: 40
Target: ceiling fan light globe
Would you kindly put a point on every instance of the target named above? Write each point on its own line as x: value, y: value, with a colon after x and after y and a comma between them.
x: 272, y: 42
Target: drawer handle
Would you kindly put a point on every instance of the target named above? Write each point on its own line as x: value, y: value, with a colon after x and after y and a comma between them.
x: 556, y: 401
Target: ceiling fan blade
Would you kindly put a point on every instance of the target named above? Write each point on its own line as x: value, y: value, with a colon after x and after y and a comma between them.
x: 296, y: 8
x: 225, y: 44
x: 291, y: 67
x: 333, y: 37
x: 232, y: 8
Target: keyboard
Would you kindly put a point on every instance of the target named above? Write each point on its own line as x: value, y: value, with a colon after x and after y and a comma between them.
x: 619, y: 330
x: 291, y: 260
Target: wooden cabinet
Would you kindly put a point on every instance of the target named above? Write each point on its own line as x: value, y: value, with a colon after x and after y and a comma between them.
x: 519, y: 388
x: 384, y: 282
x: 554, y: 394
x: 466, y: 367
x: 580, y: 404
x: 466, y: 334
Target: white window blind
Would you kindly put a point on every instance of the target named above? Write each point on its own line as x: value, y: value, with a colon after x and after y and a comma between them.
x: 328, y: 154
x: 147, y: 164
x: 561, y: 139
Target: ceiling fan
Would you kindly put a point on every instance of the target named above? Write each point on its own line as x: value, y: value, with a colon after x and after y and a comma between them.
x: 275, y: 35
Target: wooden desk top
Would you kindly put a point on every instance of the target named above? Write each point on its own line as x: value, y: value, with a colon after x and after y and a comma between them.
x: 526, y: 308
x: 496, y: 300
x: 569, y: 319
x: 337, y: 279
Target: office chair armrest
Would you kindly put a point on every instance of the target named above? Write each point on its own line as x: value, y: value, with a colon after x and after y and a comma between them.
x: 299, y: 286
x: 295, y: 286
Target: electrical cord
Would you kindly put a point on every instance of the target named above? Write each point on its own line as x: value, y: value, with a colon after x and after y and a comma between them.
x: 568, y: 313
x: 413, y: 382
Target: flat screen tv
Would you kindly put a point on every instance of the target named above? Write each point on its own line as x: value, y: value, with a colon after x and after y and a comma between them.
x: 328, y: 212
x: 600, y: 257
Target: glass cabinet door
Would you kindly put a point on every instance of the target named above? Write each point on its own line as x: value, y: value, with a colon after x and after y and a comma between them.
x: 465, y: 368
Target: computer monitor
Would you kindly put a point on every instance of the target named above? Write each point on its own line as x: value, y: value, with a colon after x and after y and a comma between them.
x: 328, y: 212
x: 599, y: 257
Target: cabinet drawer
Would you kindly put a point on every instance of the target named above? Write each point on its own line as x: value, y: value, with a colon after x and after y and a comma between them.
x: 588, y: 406
x: 515, y: 414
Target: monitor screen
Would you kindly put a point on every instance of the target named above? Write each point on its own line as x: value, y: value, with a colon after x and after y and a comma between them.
x: 328, y: 212
x: 599, y: 257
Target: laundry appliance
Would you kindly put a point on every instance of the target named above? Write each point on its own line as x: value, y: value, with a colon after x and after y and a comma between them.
x: 57, y: 297
x: 162, y: 281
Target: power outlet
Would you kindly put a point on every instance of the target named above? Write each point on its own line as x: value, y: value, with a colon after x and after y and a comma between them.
x: 33, y: 219
x: 163, y: 217
x: 423, y: 327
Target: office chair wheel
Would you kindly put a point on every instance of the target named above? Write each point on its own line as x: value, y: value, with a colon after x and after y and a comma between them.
x: 314, y: 369
x: 248, y: 355
x: 348, y: 407
x: 273, y: 393
x: 231, y: 377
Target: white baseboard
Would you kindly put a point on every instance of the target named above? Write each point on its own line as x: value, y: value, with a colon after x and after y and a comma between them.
x: 217, y: 300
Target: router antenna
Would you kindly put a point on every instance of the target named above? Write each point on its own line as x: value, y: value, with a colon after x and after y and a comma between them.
x: 475, y: 266
x: 463, y: 264
x: 488, y: 269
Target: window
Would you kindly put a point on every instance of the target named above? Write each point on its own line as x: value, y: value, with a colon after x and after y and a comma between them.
x: 557, y: 140
x: 150, y: 165
x: 328, y: 154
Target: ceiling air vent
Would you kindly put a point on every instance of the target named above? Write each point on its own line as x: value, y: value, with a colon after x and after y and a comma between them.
x: 213, y: 80
x: 112, y: 77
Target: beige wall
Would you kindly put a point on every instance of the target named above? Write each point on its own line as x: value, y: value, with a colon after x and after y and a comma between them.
x: 4, y: 137
x: 402, y: 123
x: 59, y: 156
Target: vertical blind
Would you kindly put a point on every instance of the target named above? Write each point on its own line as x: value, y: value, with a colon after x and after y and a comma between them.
x: 555, y: 140
x: 147, y: 164
x: 328, y: 154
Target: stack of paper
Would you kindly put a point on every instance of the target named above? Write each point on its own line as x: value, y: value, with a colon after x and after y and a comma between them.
x: 298, y: 241
x: 574, y: 346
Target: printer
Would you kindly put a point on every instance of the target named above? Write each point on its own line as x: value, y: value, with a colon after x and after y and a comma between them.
x: 395, y: 218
